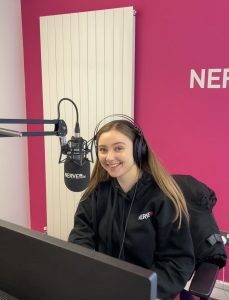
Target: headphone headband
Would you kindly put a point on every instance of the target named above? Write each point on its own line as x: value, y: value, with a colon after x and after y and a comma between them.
x: 125, y: 117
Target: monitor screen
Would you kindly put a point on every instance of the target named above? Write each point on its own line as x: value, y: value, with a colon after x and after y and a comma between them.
x: 39, y: 267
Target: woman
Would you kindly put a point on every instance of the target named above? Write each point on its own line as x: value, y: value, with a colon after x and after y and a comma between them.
x: 134, y: 210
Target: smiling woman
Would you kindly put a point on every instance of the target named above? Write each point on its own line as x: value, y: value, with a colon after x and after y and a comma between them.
x: 115, y: 153
x: 134, y: 210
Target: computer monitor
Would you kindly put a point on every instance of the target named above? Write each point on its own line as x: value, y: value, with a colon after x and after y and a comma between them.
x: 34, y: 266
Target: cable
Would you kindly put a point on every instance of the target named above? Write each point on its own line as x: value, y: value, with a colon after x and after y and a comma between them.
x: 58, y: 108
x: 62, y: 139
x: 127, y: 218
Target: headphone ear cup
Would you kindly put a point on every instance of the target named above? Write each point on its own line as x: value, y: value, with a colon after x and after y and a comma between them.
x: 136, y: 150
x: 95, y: 145
x: 144, y: 150
x: 140, y: 150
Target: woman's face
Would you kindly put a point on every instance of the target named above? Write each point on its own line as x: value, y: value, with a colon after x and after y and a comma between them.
x: 115, y: 153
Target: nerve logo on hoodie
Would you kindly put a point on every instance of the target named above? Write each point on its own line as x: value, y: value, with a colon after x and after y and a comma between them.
x: 146, y: 215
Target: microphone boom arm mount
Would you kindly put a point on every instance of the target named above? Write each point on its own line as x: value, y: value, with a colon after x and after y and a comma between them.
x: 60, y: 128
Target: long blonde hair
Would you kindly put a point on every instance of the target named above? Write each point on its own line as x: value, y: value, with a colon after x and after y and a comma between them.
x: 150, y: 164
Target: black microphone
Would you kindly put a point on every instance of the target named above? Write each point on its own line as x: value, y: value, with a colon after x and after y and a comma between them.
x: 76, y: 177
x: 76, y: 165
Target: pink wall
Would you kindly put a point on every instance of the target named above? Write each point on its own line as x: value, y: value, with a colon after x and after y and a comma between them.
x: 187, y: 127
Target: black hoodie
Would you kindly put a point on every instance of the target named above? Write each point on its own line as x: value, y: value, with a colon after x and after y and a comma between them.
x: 150, y: 238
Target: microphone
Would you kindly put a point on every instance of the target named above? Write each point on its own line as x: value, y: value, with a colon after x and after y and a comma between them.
x: 76, y: 165
x: 76, y: 177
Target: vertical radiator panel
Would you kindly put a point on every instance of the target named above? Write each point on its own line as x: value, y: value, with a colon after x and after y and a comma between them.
x: 89, y: 58
x: 92, y: 76
x: 109, y: 62
x: 118, y: 61
x: 100, y: 64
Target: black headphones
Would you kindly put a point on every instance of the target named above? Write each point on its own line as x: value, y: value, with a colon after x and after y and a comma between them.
x: 140, y: 149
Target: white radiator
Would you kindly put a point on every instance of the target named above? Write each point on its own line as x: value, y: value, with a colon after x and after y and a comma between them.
x: 89, y: 58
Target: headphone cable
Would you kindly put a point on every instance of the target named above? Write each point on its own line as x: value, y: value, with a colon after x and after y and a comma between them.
x: 127, y: 218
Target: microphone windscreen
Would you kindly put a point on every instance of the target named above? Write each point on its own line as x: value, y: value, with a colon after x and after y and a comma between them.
x: 76, y: 177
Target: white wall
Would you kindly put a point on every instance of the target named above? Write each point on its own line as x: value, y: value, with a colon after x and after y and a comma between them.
x: 14, y: 191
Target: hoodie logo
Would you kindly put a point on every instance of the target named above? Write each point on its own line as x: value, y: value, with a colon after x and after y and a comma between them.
x: 146, y: 215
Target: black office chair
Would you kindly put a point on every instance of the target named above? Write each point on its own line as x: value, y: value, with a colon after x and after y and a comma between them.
x: 209, y: 249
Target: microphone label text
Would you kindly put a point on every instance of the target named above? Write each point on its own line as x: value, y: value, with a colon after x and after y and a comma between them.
x: 74, y: 176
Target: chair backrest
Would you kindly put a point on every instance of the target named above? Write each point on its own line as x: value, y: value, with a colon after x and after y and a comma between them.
x: 207, y: 240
